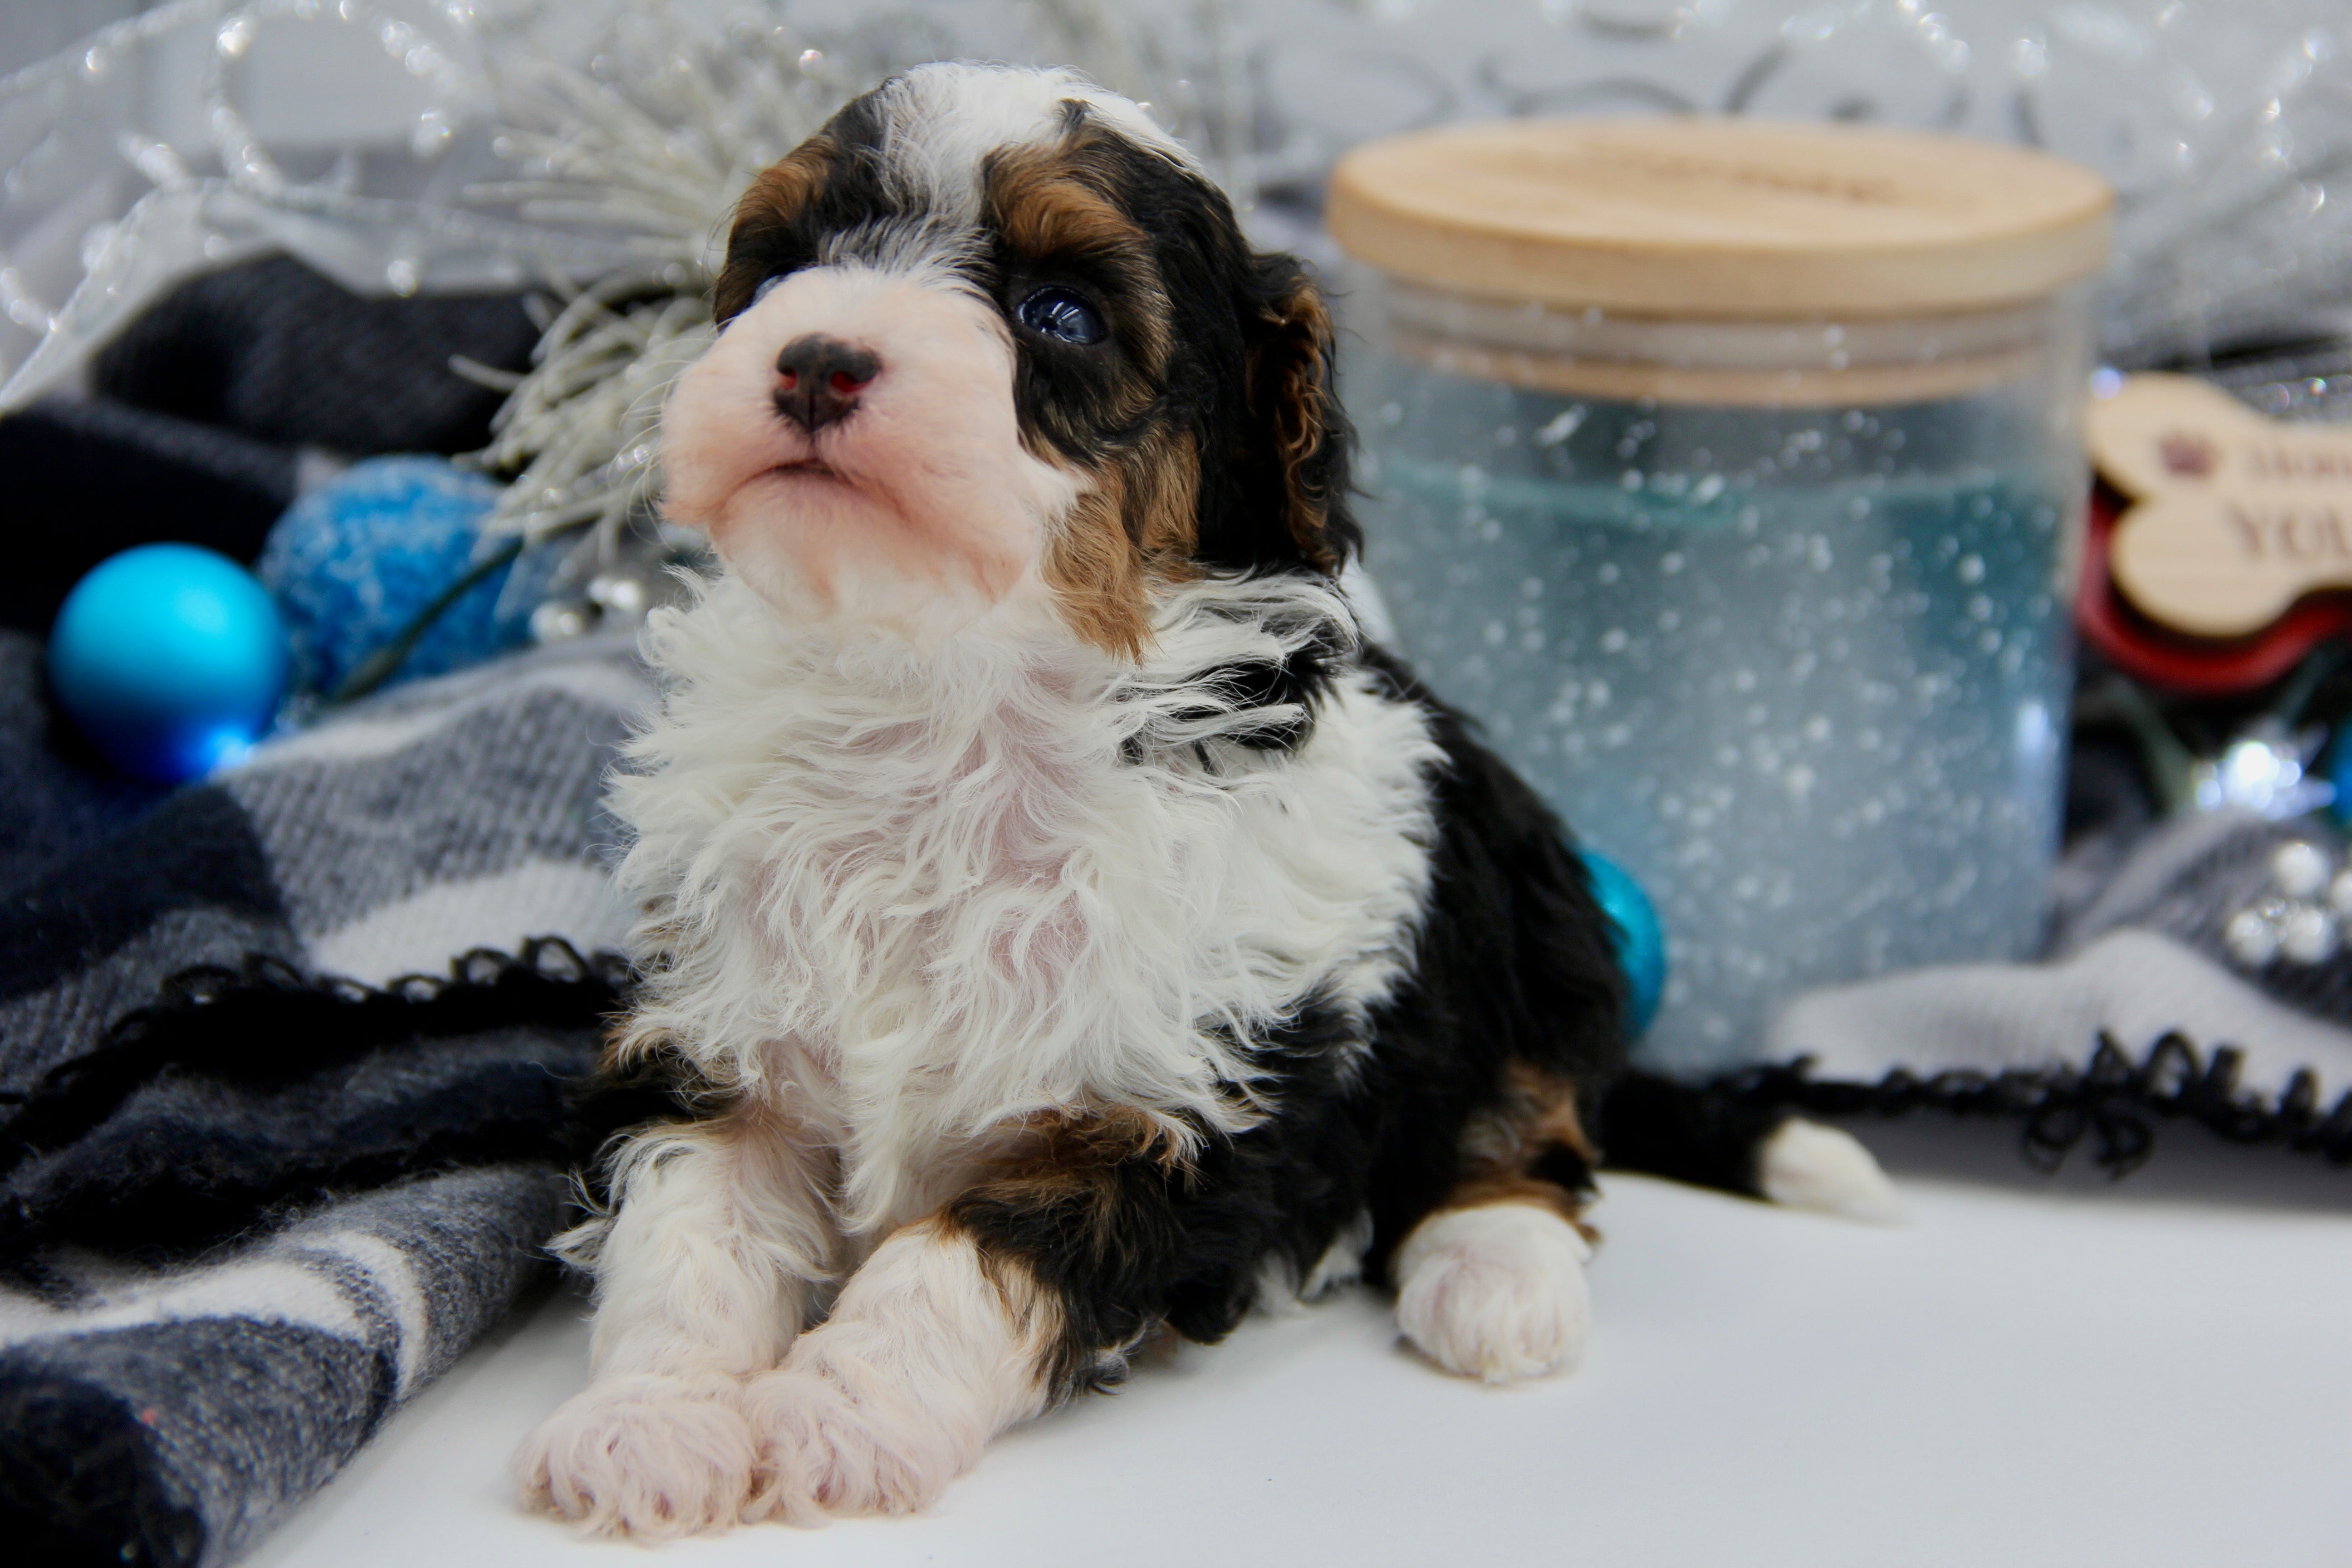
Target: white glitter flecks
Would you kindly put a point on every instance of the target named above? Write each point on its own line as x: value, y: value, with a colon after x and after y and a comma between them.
x: 1766, y: 682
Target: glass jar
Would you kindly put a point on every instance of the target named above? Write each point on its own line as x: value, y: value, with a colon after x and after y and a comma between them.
x: 1731, y: 474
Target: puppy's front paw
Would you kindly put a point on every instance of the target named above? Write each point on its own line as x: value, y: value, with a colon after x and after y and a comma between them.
x: 646, y: 1456
x: 828, y: 1448
x: 1495, y: 1291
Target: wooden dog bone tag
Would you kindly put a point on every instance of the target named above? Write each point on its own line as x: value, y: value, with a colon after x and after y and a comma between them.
x: 2237, y: 516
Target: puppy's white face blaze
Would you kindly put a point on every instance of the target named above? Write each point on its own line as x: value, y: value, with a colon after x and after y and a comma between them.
x: 995, y: 351
x: 920, y: 510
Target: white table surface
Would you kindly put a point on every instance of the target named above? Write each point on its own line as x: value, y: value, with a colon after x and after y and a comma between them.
x: 2027, y: 1373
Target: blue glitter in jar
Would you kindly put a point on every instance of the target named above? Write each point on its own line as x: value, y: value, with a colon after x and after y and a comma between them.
x: 1773, y: 609
x: 1818, y: 716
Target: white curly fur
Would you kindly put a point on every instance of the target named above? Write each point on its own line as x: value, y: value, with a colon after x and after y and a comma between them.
x: 718, y: 1249
x: 645, y: 1455
x: 1496, y: 1291
x: 1808, y: 1165
x: 944, y: 119
x: 928, y: 896
x: 920, y: 515
x: 923, y: 1359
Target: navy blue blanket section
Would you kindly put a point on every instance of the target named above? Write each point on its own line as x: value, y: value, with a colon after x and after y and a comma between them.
x: 266, y: 1164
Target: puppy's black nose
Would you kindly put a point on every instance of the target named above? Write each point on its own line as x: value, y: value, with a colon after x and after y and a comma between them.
x: 818, y: 380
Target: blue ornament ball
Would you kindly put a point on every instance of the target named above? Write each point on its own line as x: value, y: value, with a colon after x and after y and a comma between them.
x: 1633, y: 926
x: 356, y: 560
x: 171, y: 659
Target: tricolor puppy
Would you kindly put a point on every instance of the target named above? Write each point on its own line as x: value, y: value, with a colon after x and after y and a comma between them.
x: 1060, y: 924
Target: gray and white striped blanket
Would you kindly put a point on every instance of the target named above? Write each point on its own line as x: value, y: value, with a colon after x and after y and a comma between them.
x: 256, y: 1187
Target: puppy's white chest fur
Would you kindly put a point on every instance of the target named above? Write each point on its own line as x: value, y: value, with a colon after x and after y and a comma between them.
x: 914, y: 897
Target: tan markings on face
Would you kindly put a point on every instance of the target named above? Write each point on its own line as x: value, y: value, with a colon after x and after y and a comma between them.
x: 1290, y: 384
x: 1501, y: 1146
x: 776, y: 200
x: 1136, y: 525
x: 1133, y: 529
x: 1040, y: 200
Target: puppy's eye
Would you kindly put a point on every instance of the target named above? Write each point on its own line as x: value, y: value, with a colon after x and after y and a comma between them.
x: 1062, y: 315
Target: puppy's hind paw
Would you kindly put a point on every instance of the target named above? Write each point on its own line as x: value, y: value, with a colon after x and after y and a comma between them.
x: 651, y: 1457
x: 824, y: 1449
x: 1808, y: 1166
x: 1494, y: 1292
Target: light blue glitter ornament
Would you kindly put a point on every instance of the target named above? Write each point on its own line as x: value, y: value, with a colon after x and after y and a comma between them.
x: 357, y: 562
x: 1633, y: 927
x: 171, y: 659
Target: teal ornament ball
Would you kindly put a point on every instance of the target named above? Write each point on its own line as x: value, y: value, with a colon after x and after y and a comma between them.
x: 171, y: 659
x: 1633, y: 926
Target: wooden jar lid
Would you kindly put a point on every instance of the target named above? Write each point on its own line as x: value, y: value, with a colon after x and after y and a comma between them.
x: 1732, y: 219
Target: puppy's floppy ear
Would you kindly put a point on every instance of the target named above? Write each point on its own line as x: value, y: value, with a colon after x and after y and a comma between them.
x: 1295, y: 405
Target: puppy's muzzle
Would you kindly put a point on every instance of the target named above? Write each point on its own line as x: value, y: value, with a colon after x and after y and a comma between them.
x: 818, y: 380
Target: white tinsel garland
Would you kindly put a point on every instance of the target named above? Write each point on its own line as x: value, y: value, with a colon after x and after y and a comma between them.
x: 655, y: 149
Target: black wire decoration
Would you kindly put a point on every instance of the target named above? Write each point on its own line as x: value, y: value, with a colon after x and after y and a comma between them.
x: 2110, y: 1101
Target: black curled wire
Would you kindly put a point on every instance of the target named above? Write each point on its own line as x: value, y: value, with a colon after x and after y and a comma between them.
x: 2110, y: 1101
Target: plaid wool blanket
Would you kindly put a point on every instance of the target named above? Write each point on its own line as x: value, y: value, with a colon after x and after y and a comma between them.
x: 284, y: 1061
